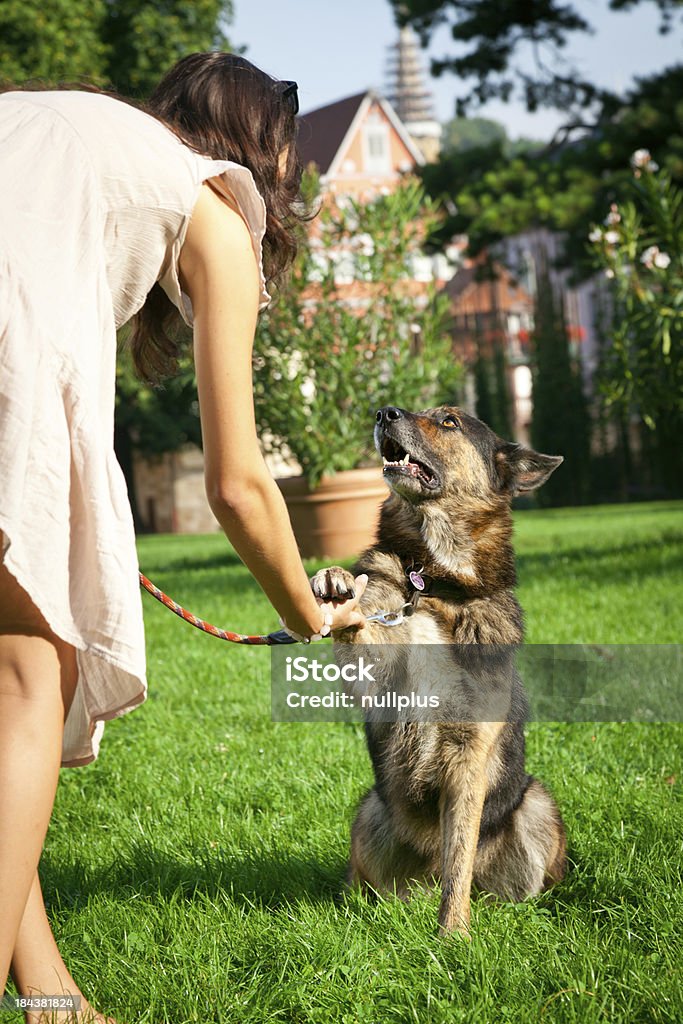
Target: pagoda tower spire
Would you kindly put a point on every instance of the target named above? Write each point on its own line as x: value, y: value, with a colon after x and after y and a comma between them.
x: 409, y: 95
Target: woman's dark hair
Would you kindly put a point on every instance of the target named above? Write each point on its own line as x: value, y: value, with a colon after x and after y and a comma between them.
x: 222, y: 106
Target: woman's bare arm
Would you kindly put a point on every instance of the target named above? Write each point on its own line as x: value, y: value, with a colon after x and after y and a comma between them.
x: 219, y: 273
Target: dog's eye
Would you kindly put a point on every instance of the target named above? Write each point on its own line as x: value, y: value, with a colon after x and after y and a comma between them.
x: 450, y: 421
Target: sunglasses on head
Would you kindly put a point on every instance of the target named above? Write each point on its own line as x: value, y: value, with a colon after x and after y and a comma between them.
x: 291, y: 94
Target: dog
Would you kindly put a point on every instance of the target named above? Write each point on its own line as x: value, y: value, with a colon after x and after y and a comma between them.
x: 451, y: 800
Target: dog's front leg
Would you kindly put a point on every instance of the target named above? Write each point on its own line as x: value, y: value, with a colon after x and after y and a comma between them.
x: 462, y: 800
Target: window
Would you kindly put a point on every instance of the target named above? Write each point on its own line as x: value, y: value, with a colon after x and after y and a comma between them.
x: 377, y: 154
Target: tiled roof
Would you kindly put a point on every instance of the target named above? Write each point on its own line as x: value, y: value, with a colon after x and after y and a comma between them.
x: 322, y: 131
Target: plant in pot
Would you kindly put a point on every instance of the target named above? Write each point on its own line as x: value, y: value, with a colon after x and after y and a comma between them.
x: 354, y: 329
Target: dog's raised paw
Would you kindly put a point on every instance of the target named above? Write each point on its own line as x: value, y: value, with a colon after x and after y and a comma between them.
x: 334, y: 584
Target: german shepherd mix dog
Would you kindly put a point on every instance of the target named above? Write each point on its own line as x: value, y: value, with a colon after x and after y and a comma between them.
x: 451, y: 798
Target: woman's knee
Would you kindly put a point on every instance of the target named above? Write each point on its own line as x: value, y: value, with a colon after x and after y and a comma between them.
x: 30, y: 669
x: 35, y: 664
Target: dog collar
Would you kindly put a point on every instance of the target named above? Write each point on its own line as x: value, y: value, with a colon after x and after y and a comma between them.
x: 422, y: 585
x: 419, y: 585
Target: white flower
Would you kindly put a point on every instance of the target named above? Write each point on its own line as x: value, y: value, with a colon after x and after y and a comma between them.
x: 649, y: 256
x: 641, y: 161
x: 294, y: 365
x: 595, y: 235
x: 662, y: 260
x: 641, y: 158
x: 609, y: 272
x: 611, y: 237
x: 365, y: 244
x: 307, y: 388
x: 613, y: 217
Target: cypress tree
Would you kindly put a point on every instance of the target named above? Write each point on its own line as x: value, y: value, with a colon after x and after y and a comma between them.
x: 502, y: 423
x: 482, y: 381
x: 559, y: 422
x: 482, y: 390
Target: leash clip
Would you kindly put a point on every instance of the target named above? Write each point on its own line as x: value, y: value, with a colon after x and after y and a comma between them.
x: 387, y: 618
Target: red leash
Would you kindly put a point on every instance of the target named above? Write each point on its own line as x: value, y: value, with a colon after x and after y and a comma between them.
x: 270, y: 639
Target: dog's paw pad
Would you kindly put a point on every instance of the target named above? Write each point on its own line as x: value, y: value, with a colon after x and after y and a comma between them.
x: 334, y: 584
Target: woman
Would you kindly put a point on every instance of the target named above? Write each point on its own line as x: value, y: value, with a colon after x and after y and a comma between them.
x: 109, y: 213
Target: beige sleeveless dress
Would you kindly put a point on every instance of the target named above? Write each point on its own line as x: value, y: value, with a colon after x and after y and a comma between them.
x: 95, y: 200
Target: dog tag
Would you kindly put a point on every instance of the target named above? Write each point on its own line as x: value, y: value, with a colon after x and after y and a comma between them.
x: 416, y: 580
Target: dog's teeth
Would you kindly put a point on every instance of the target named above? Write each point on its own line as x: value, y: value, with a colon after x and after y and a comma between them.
x: 404, y: 460
x: 385, y: 462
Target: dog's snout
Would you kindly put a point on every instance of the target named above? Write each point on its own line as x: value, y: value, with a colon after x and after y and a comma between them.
x: 388, y: 413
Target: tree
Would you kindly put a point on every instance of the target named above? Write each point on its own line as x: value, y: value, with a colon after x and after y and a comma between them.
x: 123, y: 44
x: 501, y: 389
x: 471, y: 133
x: 488, y: 191
x: 143, y: 39
x: 483, y: 400
x: 348, y: 334
x: 559, y: 421
x: 495, y: 32
x: 640, y: 247
x: 64, y: 42
x: 488, y: 195
x: 492, y: 393
x: 565, y: 186
x: 491, y: 389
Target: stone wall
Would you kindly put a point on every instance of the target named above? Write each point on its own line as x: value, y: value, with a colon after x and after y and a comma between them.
x: 171, y: 493
x: 191, y: 508
x: 154, y: 489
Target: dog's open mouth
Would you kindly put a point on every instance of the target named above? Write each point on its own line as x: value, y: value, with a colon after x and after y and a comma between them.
x: 397, y: 460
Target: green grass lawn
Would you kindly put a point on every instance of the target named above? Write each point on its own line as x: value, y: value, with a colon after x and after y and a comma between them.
x: 193, y: 872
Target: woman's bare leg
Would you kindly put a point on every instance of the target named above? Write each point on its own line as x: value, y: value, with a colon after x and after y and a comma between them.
x: 31, y: 726
x: 37, y: 965
x: 38, y: 675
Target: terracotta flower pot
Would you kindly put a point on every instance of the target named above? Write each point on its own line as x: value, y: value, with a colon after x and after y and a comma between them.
x: 338, y: 518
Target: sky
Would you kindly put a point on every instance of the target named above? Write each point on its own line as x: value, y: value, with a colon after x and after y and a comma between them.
x: 335, y: 48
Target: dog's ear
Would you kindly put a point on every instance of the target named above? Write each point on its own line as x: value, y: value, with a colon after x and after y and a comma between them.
x: 522, y: 469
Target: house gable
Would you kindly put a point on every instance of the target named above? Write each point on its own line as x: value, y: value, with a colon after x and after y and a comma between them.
x: 358, y: 145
